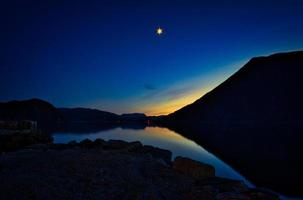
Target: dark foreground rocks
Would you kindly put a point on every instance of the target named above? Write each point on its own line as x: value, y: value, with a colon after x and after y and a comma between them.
x: 112, y: 170
x: 16, y: 139
x: 193, y: 168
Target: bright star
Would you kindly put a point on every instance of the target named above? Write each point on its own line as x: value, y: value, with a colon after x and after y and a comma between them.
x: 159, y: 31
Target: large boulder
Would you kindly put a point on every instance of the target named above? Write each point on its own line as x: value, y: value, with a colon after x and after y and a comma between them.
x: 135, y: 146
x: 193, y: 168
x: 87, y: 143
x: 17, y: 139
x: 99, y: 142
x: 163, y: 154
x: 72, y: 143
x: 116, y: 144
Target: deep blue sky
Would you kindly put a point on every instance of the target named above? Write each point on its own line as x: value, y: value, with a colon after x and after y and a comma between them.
x: 106, y: 55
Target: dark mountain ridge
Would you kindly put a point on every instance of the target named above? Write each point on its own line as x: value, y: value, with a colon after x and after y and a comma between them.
x: 49, y: 116
x: 254, y: 121
x: 80, y: 115
x: 33, y: 109
x: 266, y: 89
x: 134, y: 116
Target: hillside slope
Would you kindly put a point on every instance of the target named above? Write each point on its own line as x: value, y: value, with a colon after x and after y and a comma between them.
x: 266, y: 89
x: 254, y: 122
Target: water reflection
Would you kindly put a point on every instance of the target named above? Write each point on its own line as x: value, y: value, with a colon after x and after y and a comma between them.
x: 155, y: 136
x: 269, y: 155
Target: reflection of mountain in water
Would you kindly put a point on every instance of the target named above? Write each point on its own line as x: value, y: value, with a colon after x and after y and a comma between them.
x: 267, y: 160
x: 97, y: 127
x: 254, y: 121
x: 84, y: 128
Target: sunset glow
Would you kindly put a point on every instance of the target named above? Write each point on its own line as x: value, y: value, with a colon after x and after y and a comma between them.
x: 84, y: 55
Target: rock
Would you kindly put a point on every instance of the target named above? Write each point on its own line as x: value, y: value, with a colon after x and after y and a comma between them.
x: 231, y: 195
x: 135, y: 146
x: 193, y: 168
x: 261, y: 194
x: 87, y: 143
x: 59, y: 146
x: 43, y: 147
x: 222, y: 184
x: 99, y: 142
x: 17, y: 140
x: 250, y: 194
x: 72, y: 143
x: 116, y: 144
x: 166, y: 155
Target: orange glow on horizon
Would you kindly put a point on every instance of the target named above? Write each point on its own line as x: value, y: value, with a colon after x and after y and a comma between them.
x: 198, y: 87
x: 167, y: 107
x: 164, y: 106
x: 169, y: 99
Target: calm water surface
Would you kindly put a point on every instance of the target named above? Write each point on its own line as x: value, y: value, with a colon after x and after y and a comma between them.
x: 158, y: 137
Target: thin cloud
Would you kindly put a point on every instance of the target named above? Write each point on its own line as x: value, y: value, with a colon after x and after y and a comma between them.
x: 168, y: 94
x: 177, y: 92
x: 149, y: 87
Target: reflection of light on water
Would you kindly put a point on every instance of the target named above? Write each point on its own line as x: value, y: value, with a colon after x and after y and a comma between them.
x: 162, y: 138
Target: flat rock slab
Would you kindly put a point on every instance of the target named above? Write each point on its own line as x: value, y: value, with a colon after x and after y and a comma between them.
x: 193, y: 168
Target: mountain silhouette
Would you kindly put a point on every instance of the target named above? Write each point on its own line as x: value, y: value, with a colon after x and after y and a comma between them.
x: 34, y: 109
x: 254, y: 121
x: 134, y: 117
x: 80, y: 115
x: 49, y: 117
x: 266, y: 89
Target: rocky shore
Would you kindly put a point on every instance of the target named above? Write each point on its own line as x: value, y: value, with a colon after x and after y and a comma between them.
x: 11, y: 140
x: 112, y: 169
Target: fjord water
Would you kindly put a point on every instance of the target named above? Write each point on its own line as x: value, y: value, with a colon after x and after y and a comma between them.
x: 158, y: 137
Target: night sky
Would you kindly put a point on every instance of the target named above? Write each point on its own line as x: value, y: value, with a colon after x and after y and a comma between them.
x: 107, y: 55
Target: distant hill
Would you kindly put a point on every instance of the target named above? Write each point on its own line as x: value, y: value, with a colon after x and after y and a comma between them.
x: 134, y: 116
x: 34, y: 109
x: 254, y: 121
x: 80, y: 115
x: 49, y: 116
